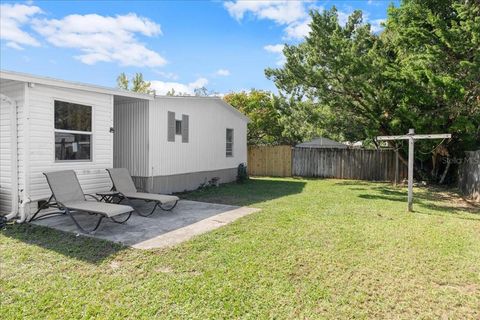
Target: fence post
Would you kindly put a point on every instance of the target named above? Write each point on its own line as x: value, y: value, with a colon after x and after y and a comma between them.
x: 396, y: 166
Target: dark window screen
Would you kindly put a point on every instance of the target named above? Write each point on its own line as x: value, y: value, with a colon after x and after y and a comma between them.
x: 72, y: 116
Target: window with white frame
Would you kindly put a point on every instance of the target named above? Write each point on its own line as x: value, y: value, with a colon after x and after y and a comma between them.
x: 73, y: 131
x: 229, y: 143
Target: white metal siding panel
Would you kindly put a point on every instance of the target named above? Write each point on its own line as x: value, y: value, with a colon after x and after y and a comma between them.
x: 92, y: 174
x: 15, y: 91
x: 6, y: 156
x: 205, y: 151
x: 130, y: 145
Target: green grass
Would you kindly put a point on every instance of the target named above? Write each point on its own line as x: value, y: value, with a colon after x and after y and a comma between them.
x: 318, y: 249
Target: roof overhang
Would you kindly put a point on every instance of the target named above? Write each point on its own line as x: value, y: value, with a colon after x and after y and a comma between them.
x: 23, y: 77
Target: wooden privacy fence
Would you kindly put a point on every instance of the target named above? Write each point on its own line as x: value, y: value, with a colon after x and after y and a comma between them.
x: 373, y: 165
x: 275, y: 161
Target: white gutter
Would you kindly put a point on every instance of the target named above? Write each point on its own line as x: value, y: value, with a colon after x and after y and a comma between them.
x: 14, y: 152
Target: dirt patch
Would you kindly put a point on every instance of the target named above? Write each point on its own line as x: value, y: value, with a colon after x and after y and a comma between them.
x: 452, y: 199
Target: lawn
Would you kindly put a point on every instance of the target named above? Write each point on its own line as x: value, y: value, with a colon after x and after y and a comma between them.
x: 318, y: 249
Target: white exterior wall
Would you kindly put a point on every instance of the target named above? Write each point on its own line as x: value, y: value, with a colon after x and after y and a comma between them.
x: 205, y: 151
x: 6, y: 154
x: 15, y: 91
x: 130, y: 140
x: 91, y: 174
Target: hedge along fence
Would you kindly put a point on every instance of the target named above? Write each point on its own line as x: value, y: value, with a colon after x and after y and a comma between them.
x: 469, y: 175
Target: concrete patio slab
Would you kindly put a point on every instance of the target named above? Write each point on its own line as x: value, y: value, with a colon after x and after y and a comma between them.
x: 160, y: 230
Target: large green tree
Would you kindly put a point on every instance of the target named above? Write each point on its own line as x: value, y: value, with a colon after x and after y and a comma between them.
x: 275, y: 119
x: 421, y: 72
x: 260, y: 107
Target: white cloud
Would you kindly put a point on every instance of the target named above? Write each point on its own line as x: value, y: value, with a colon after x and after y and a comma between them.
x: 376, y: 25
x: 292, y: 14
x: 14, y: 45
x: 275, y: 48
x: 298, y: 30
x: 343, y: 17
x: 167, y: 75
x: 374, y: 3
x: 103, y: 38
x: 162, y: 87
x: 282, y: 12
x: 223, y: 72
x: 12, y: 18
x: 278, y: 50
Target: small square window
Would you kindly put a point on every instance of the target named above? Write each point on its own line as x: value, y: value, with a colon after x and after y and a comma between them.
x: 178, y: 127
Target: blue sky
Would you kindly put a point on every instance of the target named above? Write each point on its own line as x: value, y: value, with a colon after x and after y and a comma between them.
x: 224, y: 46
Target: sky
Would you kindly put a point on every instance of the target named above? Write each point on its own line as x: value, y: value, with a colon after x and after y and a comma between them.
x: 223, y: 46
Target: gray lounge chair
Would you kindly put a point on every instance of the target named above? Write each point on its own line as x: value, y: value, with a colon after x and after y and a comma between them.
x: 69, y: 196
x: 123, y: 184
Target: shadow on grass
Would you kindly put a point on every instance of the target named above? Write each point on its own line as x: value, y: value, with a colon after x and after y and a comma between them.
x: 248, y: 193
x: 93, y: 250
x: 82, y: 248
x: 436, y: 198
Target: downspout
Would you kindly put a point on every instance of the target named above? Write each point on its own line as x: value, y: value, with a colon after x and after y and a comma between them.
x: 14, y: 147
x: 26, y: 164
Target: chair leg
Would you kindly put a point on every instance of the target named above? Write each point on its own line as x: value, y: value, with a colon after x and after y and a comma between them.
x: 130, y: 203
x: 122, y: 221
x: 43, y: 206
x: 83, y: 230
x: 150, y: 213
x: 170, y: 208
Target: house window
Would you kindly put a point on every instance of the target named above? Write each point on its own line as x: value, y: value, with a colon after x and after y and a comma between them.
x: 229, y: 143
x: 178, y: 127
x: 73, y: 131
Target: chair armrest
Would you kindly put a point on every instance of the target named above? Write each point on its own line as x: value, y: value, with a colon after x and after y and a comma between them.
x: 91, y: 195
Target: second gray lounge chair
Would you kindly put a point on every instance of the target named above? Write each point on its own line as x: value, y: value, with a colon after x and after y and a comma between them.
x: 123, y: 184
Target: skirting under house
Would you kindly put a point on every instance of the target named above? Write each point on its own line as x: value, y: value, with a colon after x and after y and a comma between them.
x: 184, y: 181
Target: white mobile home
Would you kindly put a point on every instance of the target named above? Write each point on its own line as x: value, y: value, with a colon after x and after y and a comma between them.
x: 169, y: 144
x: 172, y: 144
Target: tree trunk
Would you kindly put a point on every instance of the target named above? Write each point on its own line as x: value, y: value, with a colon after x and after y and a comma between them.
x: 445, y: 172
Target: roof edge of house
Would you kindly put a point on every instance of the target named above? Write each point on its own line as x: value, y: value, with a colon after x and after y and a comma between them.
x: 25, y: 77
x: 213, y: 98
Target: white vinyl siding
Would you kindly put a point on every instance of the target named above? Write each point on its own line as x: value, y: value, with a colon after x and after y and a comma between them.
x: 146, y: 143
x: 15, y: 91
x: 6, y: 153
x: 130, y: 142
x: 205, y: 150
x: 92, y: 174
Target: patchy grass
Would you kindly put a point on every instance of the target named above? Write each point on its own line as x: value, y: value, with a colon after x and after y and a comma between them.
x: 318, y: 249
